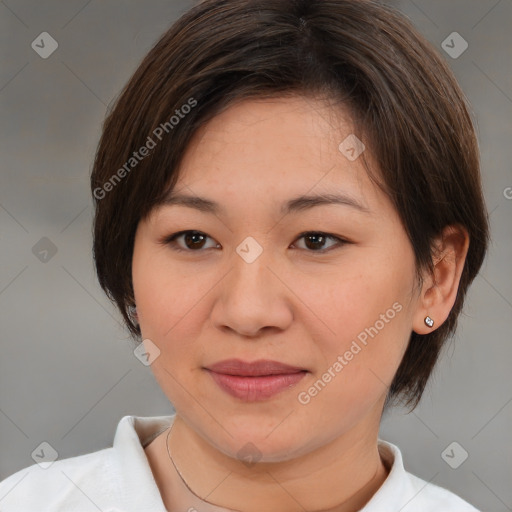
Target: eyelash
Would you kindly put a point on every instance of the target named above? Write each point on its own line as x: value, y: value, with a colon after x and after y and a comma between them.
x: 171, y: 241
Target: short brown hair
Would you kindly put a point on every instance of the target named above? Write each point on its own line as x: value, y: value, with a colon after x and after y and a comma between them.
x: 403, y: 99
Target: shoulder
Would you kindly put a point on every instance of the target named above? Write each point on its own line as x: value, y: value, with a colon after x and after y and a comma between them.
x: 67, y: 484
x: 113, y: 479
x: 408, y: 493
x: 434, y: 497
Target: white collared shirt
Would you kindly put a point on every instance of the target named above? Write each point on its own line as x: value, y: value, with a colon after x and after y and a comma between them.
x: 119, y: 479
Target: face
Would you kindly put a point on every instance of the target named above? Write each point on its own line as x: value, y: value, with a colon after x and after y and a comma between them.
x: 327, y: 288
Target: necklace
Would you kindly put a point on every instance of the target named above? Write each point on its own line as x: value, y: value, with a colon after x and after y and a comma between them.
x: 183, y: 480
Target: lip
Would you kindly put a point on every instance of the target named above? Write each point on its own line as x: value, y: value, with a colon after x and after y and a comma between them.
x: 254, y: 381
x: 258, y: 368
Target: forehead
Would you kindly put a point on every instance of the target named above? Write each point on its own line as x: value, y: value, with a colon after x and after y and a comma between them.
x: 274, y: 149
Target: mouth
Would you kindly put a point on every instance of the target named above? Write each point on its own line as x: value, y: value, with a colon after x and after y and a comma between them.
x: 254, y: 381
x: 260, y: 368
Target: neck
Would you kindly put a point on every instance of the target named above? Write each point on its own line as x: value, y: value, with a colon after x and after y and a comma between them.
x: 340, y: 476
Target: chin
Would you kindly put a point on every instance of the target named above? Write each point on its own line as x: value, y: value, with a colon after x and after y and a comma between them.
x: 261, y: 447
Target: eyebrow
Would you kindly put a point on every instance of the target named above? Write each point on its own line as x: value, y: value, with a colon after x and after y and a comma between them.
x: 300, y: 203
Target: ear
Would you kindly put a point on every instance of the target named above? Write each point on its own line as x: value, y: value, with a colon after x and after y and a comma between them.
x: 439, y: 291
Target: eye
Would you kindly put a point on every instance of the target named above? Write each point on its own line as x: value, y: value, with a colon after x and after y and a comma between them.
x: 195, y: 241
x: 316, y: 239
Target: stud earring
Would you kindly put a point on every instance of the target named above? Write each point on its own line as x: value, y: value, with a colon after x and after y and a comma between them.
x: 429, y: 321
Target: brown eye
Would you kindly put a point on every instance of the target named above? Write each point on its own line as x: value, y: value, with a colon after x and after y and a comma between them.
x: 315, y: 241
x: 193, y: 241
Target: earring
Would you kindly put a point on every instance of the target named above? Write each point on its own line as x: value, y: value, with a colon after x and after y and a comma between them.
x: 429, y: 321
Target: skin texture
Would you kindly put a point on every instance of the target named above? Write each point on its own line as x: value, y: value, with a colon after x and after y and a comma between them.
x: 292, y: 304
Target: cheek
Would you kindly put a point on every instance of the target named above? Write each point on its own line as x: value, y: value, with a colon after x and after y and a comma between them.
x: 367, y: 323
x: 163, y: 295
x: 354, y: 299
x: 167, y: 304
x: 358, y: 366
x: 171, y: 307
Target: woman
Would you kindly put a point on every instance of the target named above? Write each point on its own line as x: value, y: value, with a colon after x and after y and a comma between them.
x: 289, y: 214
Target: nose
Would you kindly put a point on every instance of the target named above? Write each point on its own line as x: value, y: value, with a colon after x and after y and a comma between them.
x: 253, y: 297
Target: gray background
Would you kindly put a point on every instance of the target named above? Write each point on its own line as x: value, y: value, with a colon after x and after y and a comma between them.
x: 67, y: 369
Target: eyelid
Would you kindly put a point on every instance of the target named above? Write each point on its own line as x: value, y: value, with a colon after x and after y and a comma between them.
x: 170, y: 240
x: 340, y: 241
